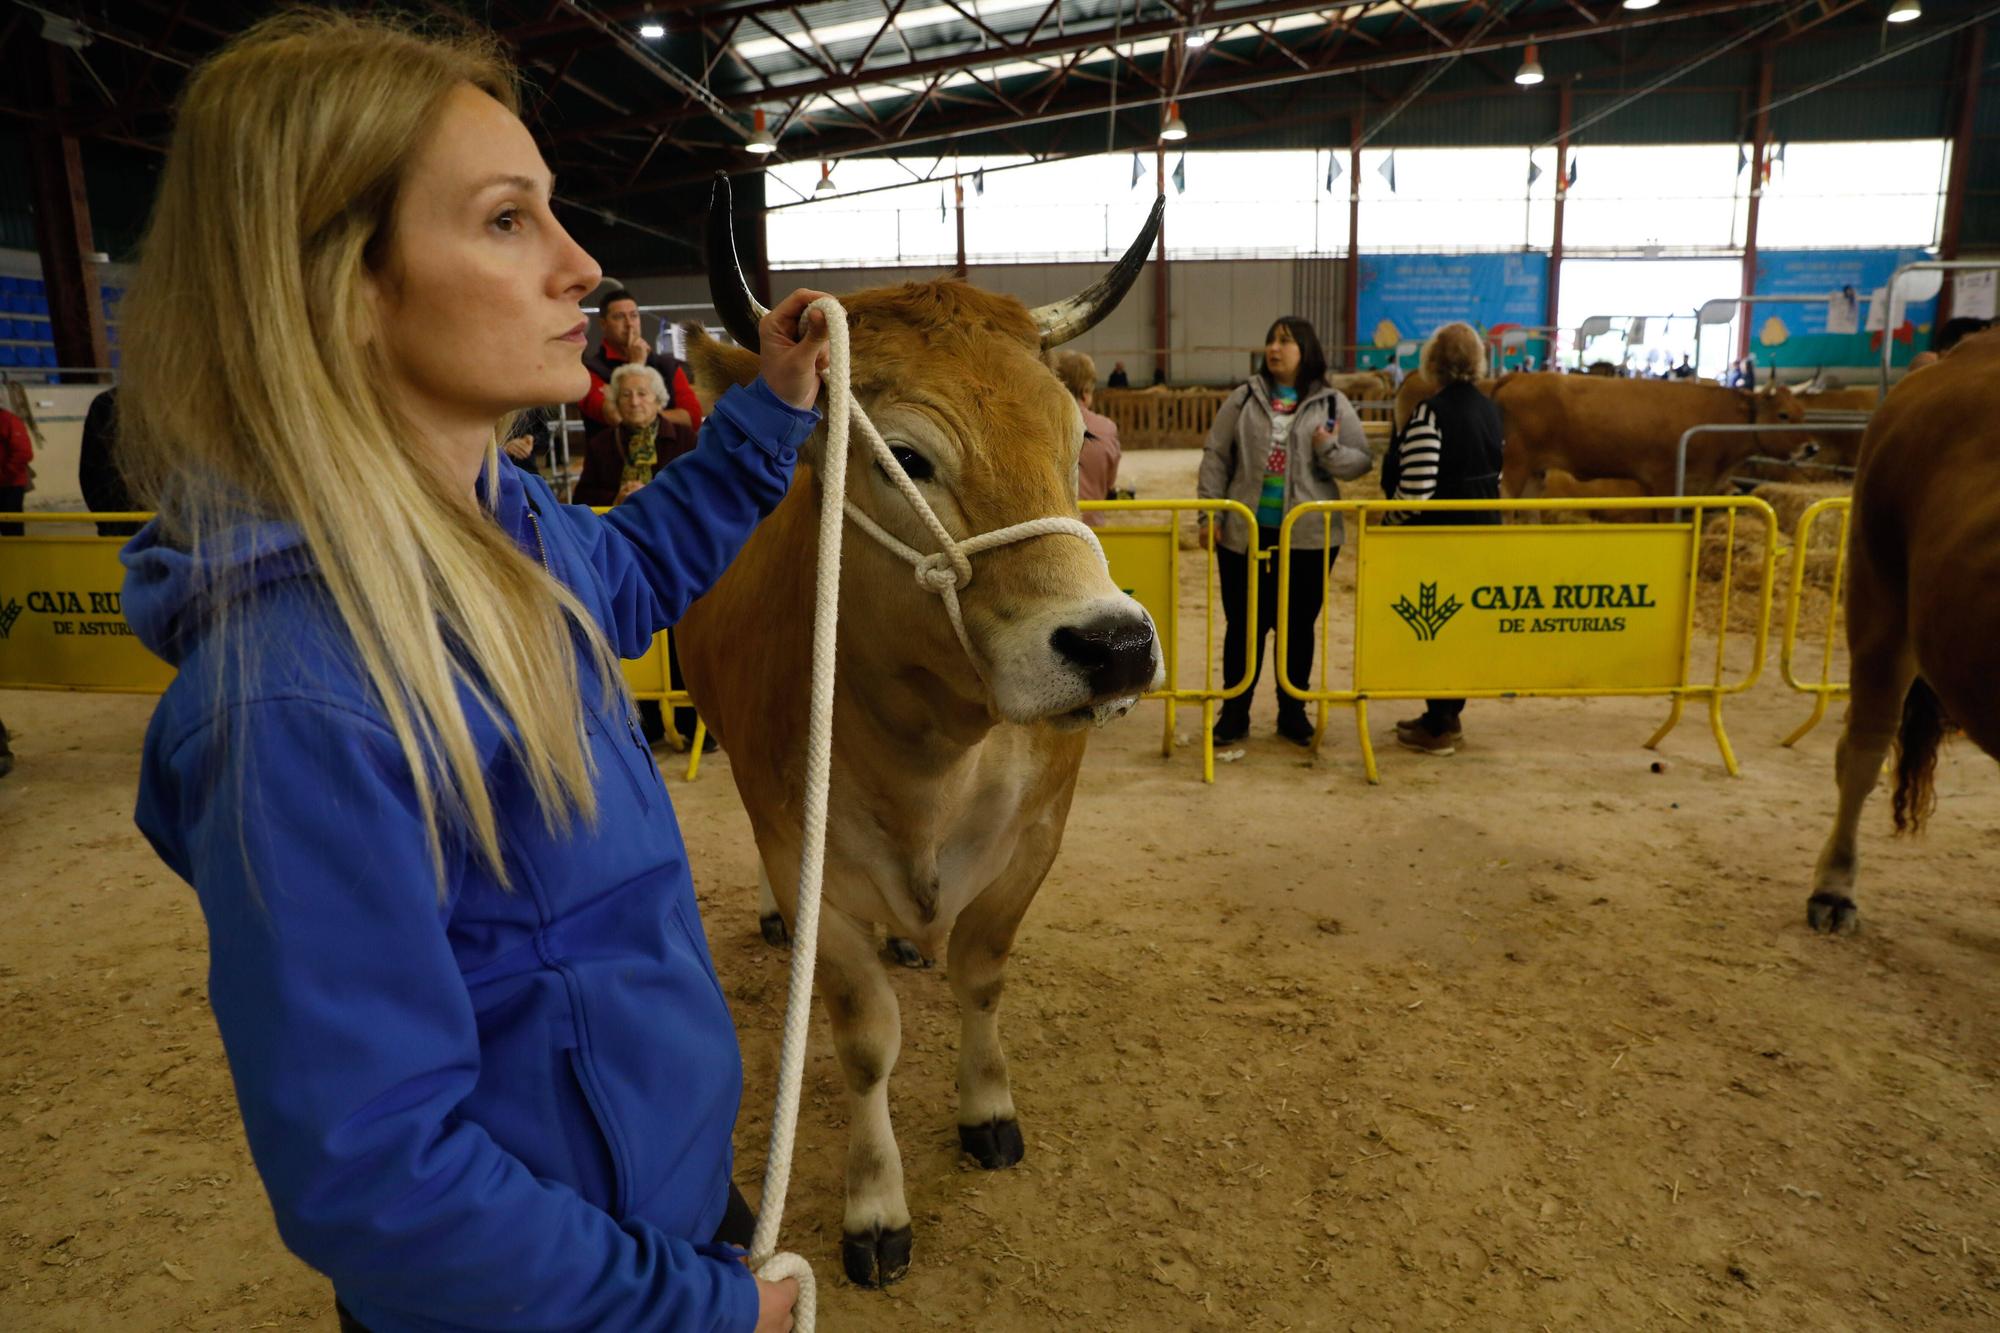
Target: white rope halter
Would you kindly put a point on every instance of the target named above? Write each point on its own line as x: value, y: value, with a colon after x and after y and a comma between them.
x: 944, y: 572
x: 948, y: 569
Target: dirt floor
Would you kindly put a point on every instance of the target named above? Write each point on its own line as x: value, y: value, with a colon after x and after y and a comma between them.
x: 1532, y: 1037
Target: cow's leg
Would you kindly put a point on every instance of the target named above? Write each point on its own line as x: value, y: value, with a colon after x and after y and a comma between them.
x: 770, y: 921
x: 867, y: 1035
x: 981, y: 939
x: 1881, y: 669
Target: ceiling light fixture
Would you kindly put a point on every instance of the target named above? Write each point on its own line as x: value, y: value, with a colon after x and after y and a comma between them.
x: 1197, y: 39
x: 652, y: 32
x: 1175, y: 129
x: 1530, y: 72
x: 761, y: 143
x: 1640, y: 4
x: 826, y: 185
x: 63, y: 31
x: 1905, y: 11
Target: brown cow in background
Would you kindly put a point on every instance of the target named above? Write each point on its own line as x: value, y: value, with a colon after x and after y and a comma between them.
x: 1619, y: 436
x: 1923, y: 599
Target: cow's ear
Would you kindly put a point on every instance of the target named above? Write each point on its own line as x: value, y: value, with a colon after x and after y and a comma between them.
x: 714, y: 367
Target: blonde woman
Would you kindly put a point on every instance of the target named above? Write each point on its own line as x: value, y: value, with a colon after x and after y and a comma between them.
x: 483, y: 1063
x: 1450, y: 450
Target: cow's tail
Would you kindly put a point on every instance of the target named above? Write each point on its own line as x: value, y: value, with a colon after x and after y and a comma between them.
x: 1917, y: 742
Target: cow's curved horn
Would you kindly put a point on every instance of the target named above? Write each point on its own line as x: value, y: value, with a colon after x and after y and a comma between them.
x: 727, y: 286
x: 1060, y: 321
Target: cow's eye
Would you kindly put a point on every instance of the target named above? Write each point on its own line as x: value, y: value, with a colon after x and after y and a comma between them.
x: 913, y: 462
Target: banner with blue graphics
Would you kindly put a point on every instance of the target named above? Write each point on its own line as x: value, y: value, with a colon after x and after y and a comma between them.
x: 1795, y: 335
x: 1404, y: 298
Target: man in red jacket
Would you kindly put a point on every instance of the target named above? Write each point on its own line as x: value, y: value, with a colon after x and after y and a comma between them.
x: 623, y: 341
x: 17, y: 450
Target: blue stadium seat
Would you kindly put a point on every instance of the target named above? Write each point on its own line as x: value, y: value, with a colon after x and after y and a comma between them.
x: 38, y: 305
x: 7, y: 354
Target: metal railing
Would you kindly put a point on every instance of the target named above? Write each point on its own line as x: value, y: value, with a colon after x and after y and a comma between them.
x: 1752, y: 428
x: 1889, y: 299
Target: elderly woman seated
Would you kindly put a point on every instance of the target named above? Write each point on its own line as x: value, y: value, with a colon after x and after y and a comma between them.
x: 619, y: 459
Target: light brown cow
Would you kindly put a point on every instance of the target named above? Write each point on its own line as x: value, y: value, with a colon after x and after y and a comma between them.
x: 1417, y: 386
x: 1923, y: 600
x: 1622, y: 432
x: 952, y: 777
x: 1599, y: 429
x: 1840, y: 400
x: 1839, y: 447
x: 1364, y: 386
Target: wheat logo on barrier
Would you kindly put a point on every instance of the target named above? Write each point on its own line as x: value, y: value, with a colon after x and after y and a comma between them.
x: 8, y: 615
x: 1428, y: 616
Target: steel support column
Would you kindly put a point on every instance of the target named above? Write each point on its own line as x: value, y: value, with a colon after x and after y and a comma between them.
x: 1971, y: 67
x: 958, y: 207
x: 62, y: 229
x: 1162, y: 310
x: 1551, y: 317
x: 1352, y: 333
x: 1760, y: 147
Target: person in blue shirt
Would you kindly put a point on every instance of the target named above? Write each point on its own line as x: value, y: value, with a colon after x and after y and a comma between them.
x: 484, y: 1064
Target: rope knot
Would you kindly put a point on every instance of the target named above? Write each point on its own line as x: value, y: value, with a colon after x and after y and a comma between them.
x: 943, y: 571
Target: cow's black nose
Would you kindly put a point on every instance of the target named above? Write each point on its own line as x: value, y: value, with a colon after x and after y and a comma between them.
x: 1115, y: 652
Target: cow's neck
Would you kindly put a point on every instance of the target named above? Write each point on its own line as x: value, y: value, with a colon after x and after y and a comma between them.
x: 927, y: 719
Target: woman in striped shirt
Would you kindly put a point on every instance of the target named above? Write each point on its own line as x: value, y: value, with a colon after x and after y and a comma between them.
x: 1449, y: 451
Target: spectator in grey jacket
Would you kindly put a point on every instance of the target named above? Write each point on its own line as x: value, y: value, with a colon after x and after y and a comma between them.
x: 1282, y: 439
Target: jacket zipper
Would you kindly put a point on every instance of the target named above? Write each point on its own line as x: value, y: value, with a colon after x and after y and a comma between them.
x: 541, y: 547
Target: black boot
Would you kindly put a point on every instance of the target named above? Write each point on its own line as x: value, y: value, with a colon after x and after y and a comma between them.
x: 1294, y: 727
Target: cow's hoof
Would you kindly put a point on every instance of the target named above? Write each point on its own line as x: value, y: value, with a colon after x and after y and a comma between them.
x: 995, y: 1145
x: 875, y: 1258
x: 773, y: 928
x: 908, y: 954
x: 1832, y: 914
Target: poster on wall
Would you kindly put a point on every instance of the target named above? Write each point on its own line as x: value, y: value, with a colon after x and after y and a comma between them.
x: 1972, y: 293
x: 1404, y: 298
x: 1844, y: 327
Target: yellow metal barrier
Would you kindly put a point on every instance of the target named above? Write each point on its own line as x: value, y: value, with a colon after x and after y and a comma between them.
x: 1825, y: 688
x: 61, y: 625
x: 650, y: 677
x: 62, y: 628
x: 1620, y: 596
x: 1145, y: 562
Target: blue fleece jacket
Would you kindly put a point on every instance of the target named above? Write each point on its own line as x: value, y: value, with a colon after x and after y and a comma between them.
x: 508, y: 1109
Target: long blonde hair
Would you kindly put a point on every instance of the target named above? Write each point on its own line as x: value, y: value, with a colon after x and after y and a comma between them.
x: 254, y: 389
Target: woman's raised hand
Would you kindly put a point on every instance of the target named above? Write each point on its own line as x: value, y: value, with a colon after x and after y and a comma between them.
x: 793, y: 355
